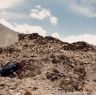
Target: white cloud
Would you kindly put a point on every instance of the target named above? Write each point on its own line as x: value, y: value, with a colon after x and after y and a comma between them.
x: 85, y: 37
x: 12, y: 15
x: 42, y: 13
x: 8, y: 3
x: 7, y: 24
x: 24, y: 28
x: 91, y: 39
x: 38, y: 7
x: 84, y: 7
x: 53, y: 20
x: 55, y: 35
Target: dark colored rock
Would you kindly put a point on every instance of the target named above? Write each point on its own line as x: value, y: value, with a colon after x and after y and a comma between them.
x: 33, y: 36
x: 21, y: 36
x: 27, y: 93
x: 54, y: 75
x: 1, y: 50
x: 55, y: 60
x: 35, y: 88
x: 28, y: 36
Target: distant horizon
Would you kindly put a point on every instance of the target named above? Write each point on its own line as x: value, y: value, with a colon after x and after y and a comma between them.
x: 69, y: 21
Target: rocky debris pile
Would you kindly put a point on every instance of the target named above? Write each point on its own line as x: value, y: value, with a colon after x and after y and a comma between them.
x: 28, y: 36
x: 71, y: 78
x: 81, y: 45
x: 53, y: 65
x: 29, y: 68
x: 10, y: 49
x: 39, y: 38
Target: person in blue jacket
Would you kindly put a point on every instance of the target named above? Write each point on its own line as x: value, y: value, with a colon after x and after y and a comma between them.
x: 8, y: 69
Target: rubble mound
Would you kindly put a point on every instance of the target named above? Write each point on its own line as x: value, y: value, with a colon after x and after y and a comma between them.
x: 50, y: 65
x: 28, y: 36
x: 81, y: 45
x: 70, y: 73
x: 29, y: 68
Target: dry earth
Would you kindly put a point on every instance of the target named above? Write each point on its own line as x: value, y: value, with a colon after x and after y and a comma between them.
x: 49, y: 66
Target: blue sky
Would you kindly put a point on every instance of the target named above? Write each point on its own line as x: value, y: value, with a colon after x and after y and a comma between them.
x: 67, y: 20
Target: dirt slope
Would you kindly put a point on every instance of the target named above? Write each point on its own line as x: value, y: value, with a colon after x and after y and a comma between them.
x: 7, y: 36
x: 49, y: 66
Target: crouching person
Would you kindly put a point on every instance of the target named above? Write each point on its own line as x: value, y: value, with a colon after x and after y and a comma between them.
x: 8, y: 69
